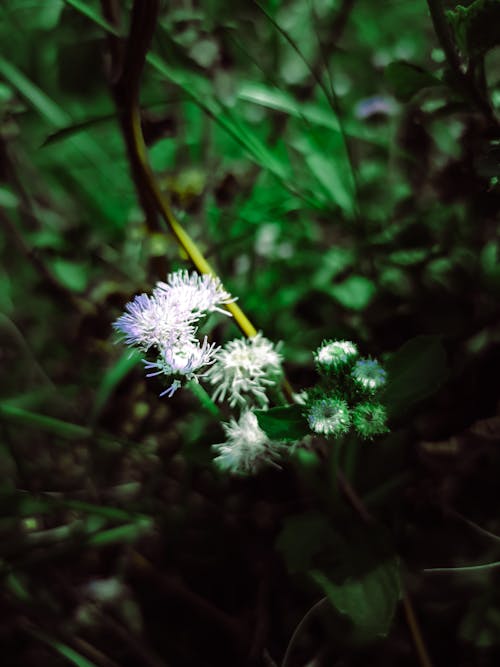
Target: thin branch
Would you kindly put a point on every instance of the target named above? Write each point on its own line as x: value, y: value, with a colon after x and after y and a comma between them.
x: 305, y: 620
x: 465, y: 82
x: 416, y: 633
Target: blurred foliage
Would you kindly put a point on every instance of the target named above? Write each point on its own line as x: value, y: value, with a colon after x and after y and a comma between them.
x: 343, y: 178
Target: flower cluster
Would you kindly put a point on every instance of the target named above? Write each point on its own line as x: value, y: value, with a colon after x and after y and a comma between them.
x: 244, y: 370
x: 247, y: 448
x: 346, y: 396
x: 164, y: 324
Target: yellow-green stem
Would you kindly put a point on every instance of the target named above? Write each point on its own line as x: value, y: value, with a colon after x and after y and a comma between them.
x: 182, y: 237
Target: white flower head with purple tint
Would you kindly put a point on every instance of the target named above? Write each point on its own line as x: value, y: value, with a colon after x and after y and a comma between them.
x: 244, y: 369
x: 247, y: 448
x: 151, y: 321
x: 166, y: 323
x: 368, y: 374
x: 183, y: 363
x: 199, y: 294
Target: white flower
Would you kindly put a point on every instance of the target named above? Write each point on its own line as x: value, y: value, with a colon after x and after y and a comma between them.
x: 155, y: 321
x: 335, y: 354
x: 329, y: 416
x: 244, y: 369
x: 247, y: 447
x: 197, y: 293
x: 166, y: 321
x: 369, y: 374
x: 185, y: 361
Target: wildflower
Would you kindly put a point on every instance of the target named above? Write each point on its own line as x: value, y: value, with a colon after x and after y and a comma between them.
x: 368, y: 374
x: 244, y: 370
x: 329, y: 416
x: 335, y: 354
x: 199, y: 294
x: 166, y: 321
x: 247, y: 447
x: 377, y: 106
x: 185, y: 361
x: 155, y: 321
x: 369, y: 419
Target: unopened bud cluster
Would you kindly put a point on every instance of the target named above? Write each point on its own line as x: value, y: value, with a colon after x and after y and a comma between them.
x: 346, y: 397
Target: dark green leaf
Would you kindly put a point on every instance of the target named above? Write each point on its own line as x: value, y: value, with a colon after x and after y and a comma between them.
x: 111, y: 379
x: 302, y: 538
x: 415, y: 371
x: 286, y: 423
x: 354, y: 293
x: 368, y: 601
x: 72, y: 275
x: 407, y: 79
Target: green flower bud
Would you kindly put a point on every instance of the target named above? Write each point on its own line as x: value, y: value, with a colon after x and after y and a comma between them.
x: 370, y: 419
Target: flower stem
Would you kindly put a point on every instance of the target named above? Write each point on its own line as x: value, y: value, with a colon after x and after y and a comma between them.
x: 204, y: 398
x: 350, y: 458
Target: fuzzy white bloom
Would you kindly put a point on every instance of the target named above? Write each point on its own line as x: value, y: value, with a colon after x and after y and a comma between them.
x: 151, y: 321
x: 247, y: 447
x: 335, y: 353
x: 166, y: 322
x: 183, y: 362
x: 244, y: 370
x: 199, y: 294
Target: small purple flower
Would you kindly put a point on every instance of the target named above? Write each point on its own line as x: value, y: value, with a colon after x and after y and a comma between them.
x: 166, y: 322
x: 154, y: 321
x: 375, y: 106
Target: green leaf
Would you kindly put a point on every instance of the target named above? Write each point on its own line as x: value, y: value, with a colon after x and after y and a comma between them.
x: 303, y: 537
x: 121, y: 534
x: 71, y: 274
x: 355, y: 292
x: 334, y: 178
x: 415, y: 371
x: 273, y: 98
x: 43, y: 422
x: 93, y: 15
x: 23, y: 504
x: 111, y: 379
x: 36, y: 97
x: 368, y: 601
x: 285, y: 423
x: 8, y: 199
x: 490, y: 265
x: 327, y: 159
x: 64, y: 650
x: 407, y: 79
